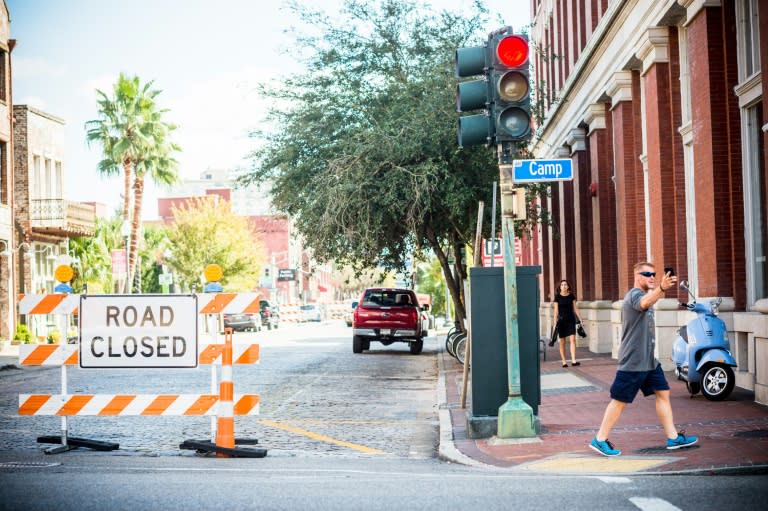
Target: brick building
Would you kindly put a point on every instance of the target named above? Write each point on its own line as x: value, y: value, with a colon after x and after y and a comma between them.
x: 43, y: 220
x: 660, y: 106
x: 7, y: 295
x: 283, y: 248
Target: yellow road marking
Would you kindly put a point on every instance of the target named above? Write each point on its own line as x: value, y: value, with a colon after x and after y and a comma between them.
x: 592, y: 464
x: 319, y: 437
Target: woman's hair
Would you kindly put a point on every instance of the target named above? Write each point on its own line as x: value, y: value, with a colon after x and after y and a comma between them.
x: 566, y: 283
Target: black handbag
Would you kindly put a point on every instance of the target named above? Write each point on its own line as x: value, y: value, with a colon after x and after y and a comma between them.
x: 580, y: 330
x: 553, y: 338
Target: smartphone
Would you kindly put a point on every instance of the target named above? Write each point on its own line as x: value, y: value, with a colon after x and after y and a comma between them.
x: 670, y: 270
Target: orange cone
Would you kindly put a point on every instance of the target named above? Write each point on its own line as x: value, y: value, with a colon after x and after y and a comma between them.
x: 225, y: 426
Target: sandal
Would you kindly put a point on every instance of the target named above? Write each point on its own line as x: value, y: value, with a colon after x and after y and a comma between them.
x: 576, y: 363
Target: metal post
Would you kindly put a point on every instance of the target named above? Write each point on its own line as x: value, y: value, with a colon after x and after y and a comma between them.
x: 515, y: 416
x: 493, y: 227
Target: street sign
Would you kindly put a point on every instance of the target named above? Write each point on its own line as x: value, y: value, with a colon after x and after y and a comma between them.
x: 129, y: 331
x: 165, y: 279
x: 498, y: 256
x: 537, y: 171
x: 284, y: 274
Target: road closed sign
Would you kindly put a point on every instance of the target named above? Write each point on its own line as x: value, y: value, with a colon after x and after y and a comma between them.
x: 124, y: 331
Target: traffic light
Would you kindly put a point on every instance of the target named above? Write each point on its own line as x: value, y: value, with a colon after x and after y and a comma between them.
x: 473, y: 95
x: 511, y: 92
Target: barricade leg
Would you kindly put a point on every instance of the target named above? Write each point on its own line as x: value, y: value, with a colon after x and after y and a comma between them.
x: 225, y: 444
x: 68, y: 443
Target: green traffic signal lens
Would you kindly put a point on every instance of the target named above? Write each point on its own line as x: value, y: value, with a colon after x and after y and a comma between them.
x: 512, y: 86
x: 514, y: 122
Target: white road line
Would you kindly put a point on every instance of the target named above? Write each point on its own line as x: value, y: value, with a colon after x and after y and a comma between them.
x: 614, y: 480
x: 653, y: 504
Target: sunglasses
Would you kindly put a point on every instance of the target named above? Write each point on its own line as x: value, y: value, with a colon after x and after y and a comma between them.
x: 647, y: 273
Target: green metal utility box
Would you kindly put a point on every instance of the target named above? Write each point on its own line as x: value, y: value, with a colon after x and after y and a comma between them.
x: 490, y: 387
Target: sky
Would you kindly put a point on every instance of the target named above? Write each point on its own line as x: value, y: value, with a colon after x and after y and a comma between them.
x: 205, y: 56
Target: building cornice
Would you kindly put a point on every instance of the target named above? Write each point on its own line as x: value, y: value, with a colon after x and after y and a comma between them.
x: 654, y: 48
x: 577, y: 140
x: 595, y: 117
x: 620, y: 87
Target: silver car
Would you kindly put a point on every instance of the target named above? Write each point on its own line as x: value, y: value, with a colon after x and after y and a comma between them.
x: 310, y: 312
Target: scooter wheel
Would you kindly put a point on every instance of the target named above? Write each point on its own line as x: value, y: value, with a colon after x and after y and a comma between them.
x: 693, y: 388
x: 717, y: 382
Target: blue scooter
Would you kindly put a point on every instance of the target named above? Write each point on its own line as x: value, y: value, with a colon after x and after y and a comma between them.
x: 701, y: 352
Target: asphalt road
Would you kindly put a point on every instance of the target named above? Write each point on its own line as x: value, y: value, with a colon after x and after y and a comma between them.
x: 343, y: 431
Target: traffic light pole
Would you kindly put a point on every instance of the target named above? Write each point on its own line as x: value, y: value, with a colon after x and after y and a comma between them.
x: 515, y: 416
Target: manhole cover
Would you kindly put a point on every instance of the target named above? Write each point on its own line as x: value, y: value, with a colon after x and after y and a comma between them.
x: 27, y: 464
x: 755, y: 433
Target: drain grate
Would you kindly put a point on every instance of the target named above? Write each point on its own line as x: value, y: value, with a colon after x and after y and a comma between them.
x: 27, y: 464
x: 755, y: 433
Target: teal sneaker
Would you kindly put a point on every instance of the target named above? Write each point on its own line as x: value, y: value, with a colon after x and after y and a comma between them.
x: 604, y: 447
x: 681, y: 441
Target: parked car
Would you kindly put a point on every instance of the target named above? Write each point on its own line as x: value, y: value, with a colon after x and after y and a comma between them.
x: 242, y: 322
x: 349, y: 311
x: 310, y: 312
x: 388, y: 315
x: 270, y: 315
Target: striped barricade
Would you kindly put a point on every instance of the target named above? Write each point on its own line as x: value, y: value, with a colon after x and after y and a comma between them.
x: 68, y: 354
x: 209, y: 353
x: 289, y: 313
x: 56, y: 303
x: 106, y: 405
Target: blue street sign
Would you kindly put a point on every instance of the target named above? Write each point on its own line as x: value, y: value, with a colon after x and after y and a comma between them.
x: 536, y: 171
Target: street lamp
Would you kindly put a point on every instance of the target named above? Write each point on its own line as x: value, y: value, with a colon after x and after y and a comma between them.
x: 125, y: 230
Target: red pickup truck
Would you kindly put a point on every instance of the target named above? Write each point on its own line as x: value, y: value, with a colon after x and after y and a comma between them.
x: 388, y: 315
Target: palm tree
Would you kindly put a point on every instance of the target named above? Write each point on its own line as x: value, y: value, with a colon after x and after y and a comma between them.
x: 131, y: 131
x: 162, y: 169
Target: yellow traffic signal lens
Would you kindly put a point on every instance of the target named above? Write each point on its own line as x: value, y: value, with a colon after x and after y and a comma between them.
x: 513, y: 86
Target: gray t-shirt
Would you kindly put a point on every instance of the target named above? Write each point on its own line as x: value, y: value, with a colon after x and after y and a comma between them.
x: 638, y: 336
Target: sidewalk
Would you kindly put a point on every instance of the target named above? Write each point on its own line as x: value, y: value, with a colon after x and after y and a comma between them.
x: 733, y: 434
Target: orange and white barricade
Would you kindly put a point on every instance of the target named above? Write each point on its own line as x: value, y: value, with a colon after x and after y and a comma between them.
x: 210, y: 352
x: 289, y: 313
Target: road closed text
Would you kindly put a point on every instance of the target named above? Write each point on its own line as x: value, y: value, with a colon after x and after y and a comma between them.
x: 138, y: 331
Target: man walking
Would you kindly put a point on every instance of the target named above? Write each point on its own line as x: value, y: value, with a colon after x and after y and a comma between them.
x: 638, y: 367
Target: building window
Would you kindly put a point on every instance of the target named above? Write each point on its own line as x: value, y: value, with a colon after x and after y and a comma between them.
x: 58, y: 184
x: 4, y: 76
x: 756, y: 204
x: 37, y: 178
x: 749, y: 38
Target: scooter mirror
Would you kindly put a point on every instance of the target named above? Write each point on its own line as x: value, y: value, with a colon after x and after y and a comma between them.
x: 684, y: 287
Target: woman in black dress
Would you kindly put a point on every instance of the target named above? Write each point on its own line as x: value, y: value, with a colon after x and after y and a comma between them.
x: 566, y: 315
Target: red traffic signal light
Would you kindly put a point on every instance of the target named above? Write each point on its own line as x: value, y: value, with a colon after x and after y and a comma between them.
x: 512, y: 51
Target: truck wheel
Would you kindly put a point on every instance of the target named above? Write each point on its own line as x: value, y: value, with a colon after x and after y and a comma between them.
x: 717, y: 382
x: 357, y: 344
x: 416, y: 347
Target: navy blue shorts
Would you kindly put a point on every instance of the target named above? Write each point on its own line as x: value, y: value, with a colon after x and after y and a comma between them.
x: 627, y: 383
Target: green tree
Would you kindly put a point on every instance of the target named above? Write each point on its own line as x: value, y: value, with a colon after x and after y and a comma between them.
x: 94, y: 256
x: 134, y: 140
x: 365, y: 156
x: 206, y: 231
